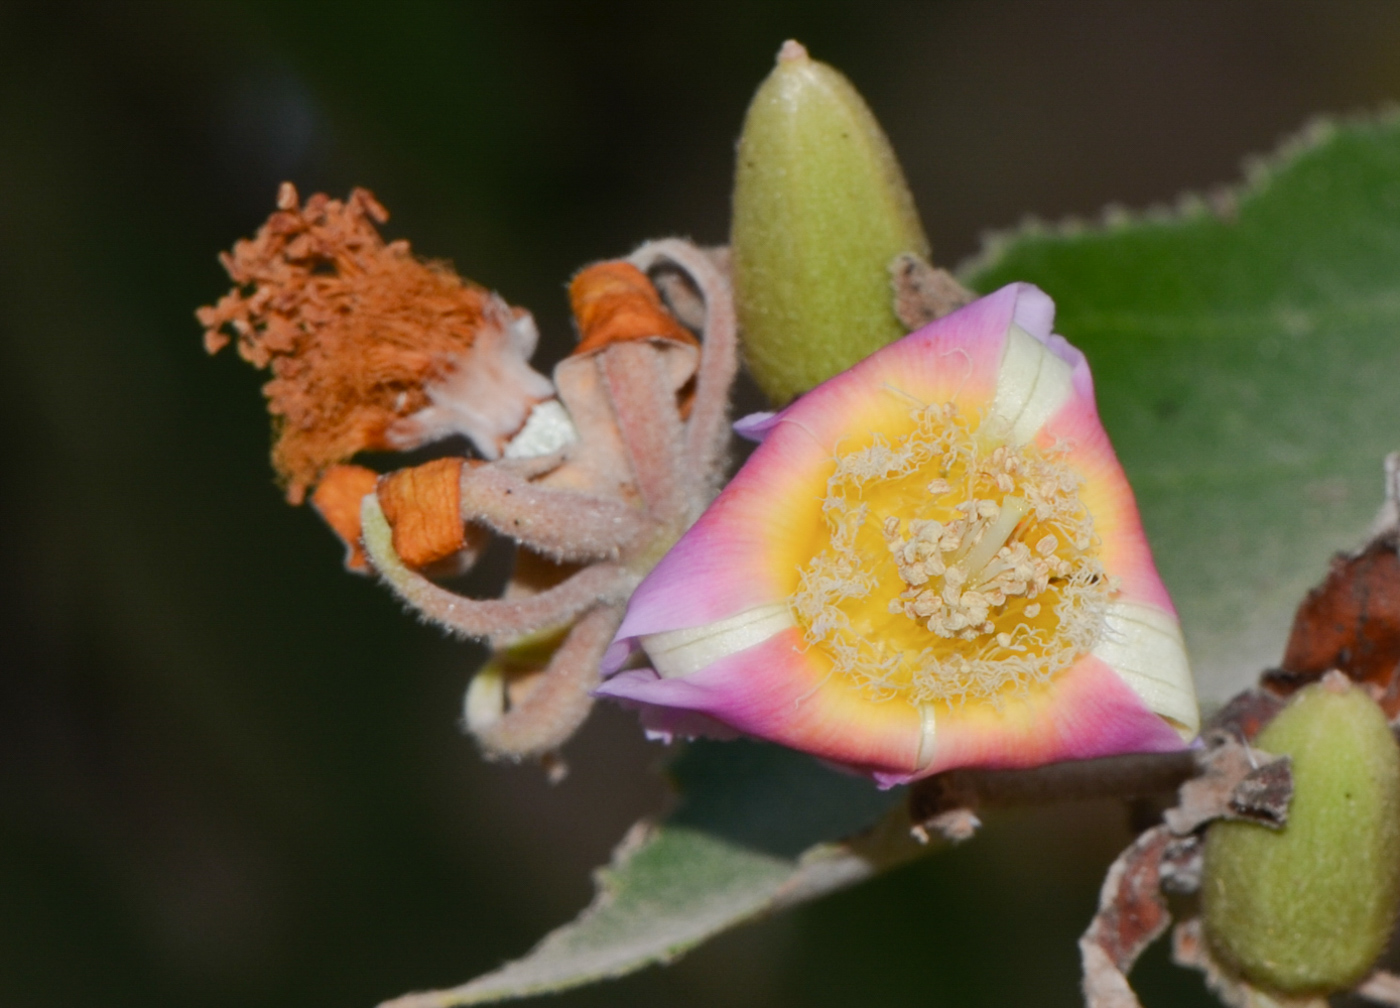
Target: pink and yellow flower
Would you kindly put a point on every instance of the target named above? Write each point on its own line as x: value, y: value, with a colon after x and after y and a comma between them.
x: 932, y: 560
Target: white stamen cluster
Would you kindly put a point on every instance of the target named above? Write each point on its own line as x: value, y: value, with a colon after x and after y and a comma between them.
x: 1013, y: 540
x: 949, y: 591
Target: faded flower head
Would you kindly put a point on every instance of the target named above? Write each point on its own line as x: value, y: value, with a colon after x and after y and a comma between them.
x: 370, y: 348
x: 932, y: 560
x: 591, y: 476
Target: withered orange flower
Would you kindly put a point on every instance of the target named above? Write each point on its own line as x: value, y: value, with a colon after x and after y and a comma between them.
x: 370, y: 348
x: 592, y: 476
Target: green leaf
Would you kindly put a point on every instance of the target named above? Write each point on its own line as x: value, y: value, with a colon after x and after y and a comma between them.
x: 749, y: 837
x: 1245, y: 353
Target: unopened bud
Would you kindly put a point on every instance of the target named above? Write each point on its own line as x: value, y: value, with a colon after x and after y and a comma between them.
x: 1307, y: 909
x: 820, y: 211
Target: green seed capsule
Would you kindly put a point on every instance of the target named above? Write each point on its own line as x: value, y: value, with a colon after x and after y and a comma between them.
x: 1309, y: 908
x: 820, y: 210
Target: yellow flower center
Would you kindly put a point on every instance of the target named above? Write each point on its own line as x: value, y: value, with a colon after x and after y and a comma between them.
x: 954, y: 565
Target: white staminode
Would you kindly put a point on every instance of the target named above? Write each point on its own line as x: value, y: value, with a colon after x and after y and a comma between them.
x: 680, y: 652
x: 1143, y: 645
x: 1032, y: 384
x: 547, y: 430
x: 487, y: 392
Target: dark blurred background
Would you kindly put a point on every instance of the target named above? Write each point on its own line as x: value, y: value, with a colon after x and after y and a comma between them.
x: 230, y: 774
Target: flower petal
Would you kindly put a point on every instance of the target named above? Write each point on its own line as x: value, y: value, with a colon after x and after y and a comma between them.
x: 720, y: 620
x: 1086, y: 712
x: 756, y: 426
x: 777, y: 691
x: 1143, y: 640
x: 1078, y: 433
x: 1143, y: 644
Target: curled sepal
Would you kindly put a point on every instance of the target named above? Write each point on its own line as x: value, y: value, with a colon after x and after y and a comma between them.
x: 423, y: 504
x: 337, y: 500
x: 531, y: 697
x: 820, y: 211
x: 1307, y: 909
x: 599, y: 584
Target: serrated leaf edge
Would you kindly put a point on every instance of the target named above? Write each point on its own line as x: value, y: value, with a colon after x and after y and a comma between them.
x: 1221, y: 202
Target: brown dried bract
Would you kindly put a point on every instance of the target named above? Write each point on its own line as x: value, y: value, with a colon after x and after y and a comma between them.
x: 1131, y: 915
x: 1350, y: 622
x: 352, y: 328
x: 923, y: 293
x: 1246, y: 714
x: 1264, y: 794
x: 1235, y: 781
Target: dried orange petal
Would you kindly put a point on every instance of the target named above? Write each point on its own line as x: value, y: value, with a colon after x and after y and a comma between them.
x: 337, y: 498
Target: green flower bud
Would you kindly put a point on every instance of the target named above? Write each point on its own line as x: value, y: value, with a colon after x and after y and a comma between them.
x: 820, y: 210
x: 1308, y: 908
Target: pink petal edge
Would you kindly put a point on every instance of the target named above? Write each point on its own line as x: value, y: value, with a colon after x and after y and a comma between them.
x: 771, y: 691
x: 1086, y: 713
x: 1126, y: 553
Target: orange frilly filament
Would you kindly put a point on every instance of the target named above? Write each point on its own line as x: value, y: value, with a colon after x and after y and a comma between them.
x: 370, y: 347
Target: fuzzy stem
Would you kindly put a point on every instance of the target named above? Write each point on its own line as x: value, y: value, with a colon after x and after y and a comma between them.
x: 600, y: 583
x: 564, y: 525
x: 707, y: 430
x: 645, y: 408
x: 556, y: 707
